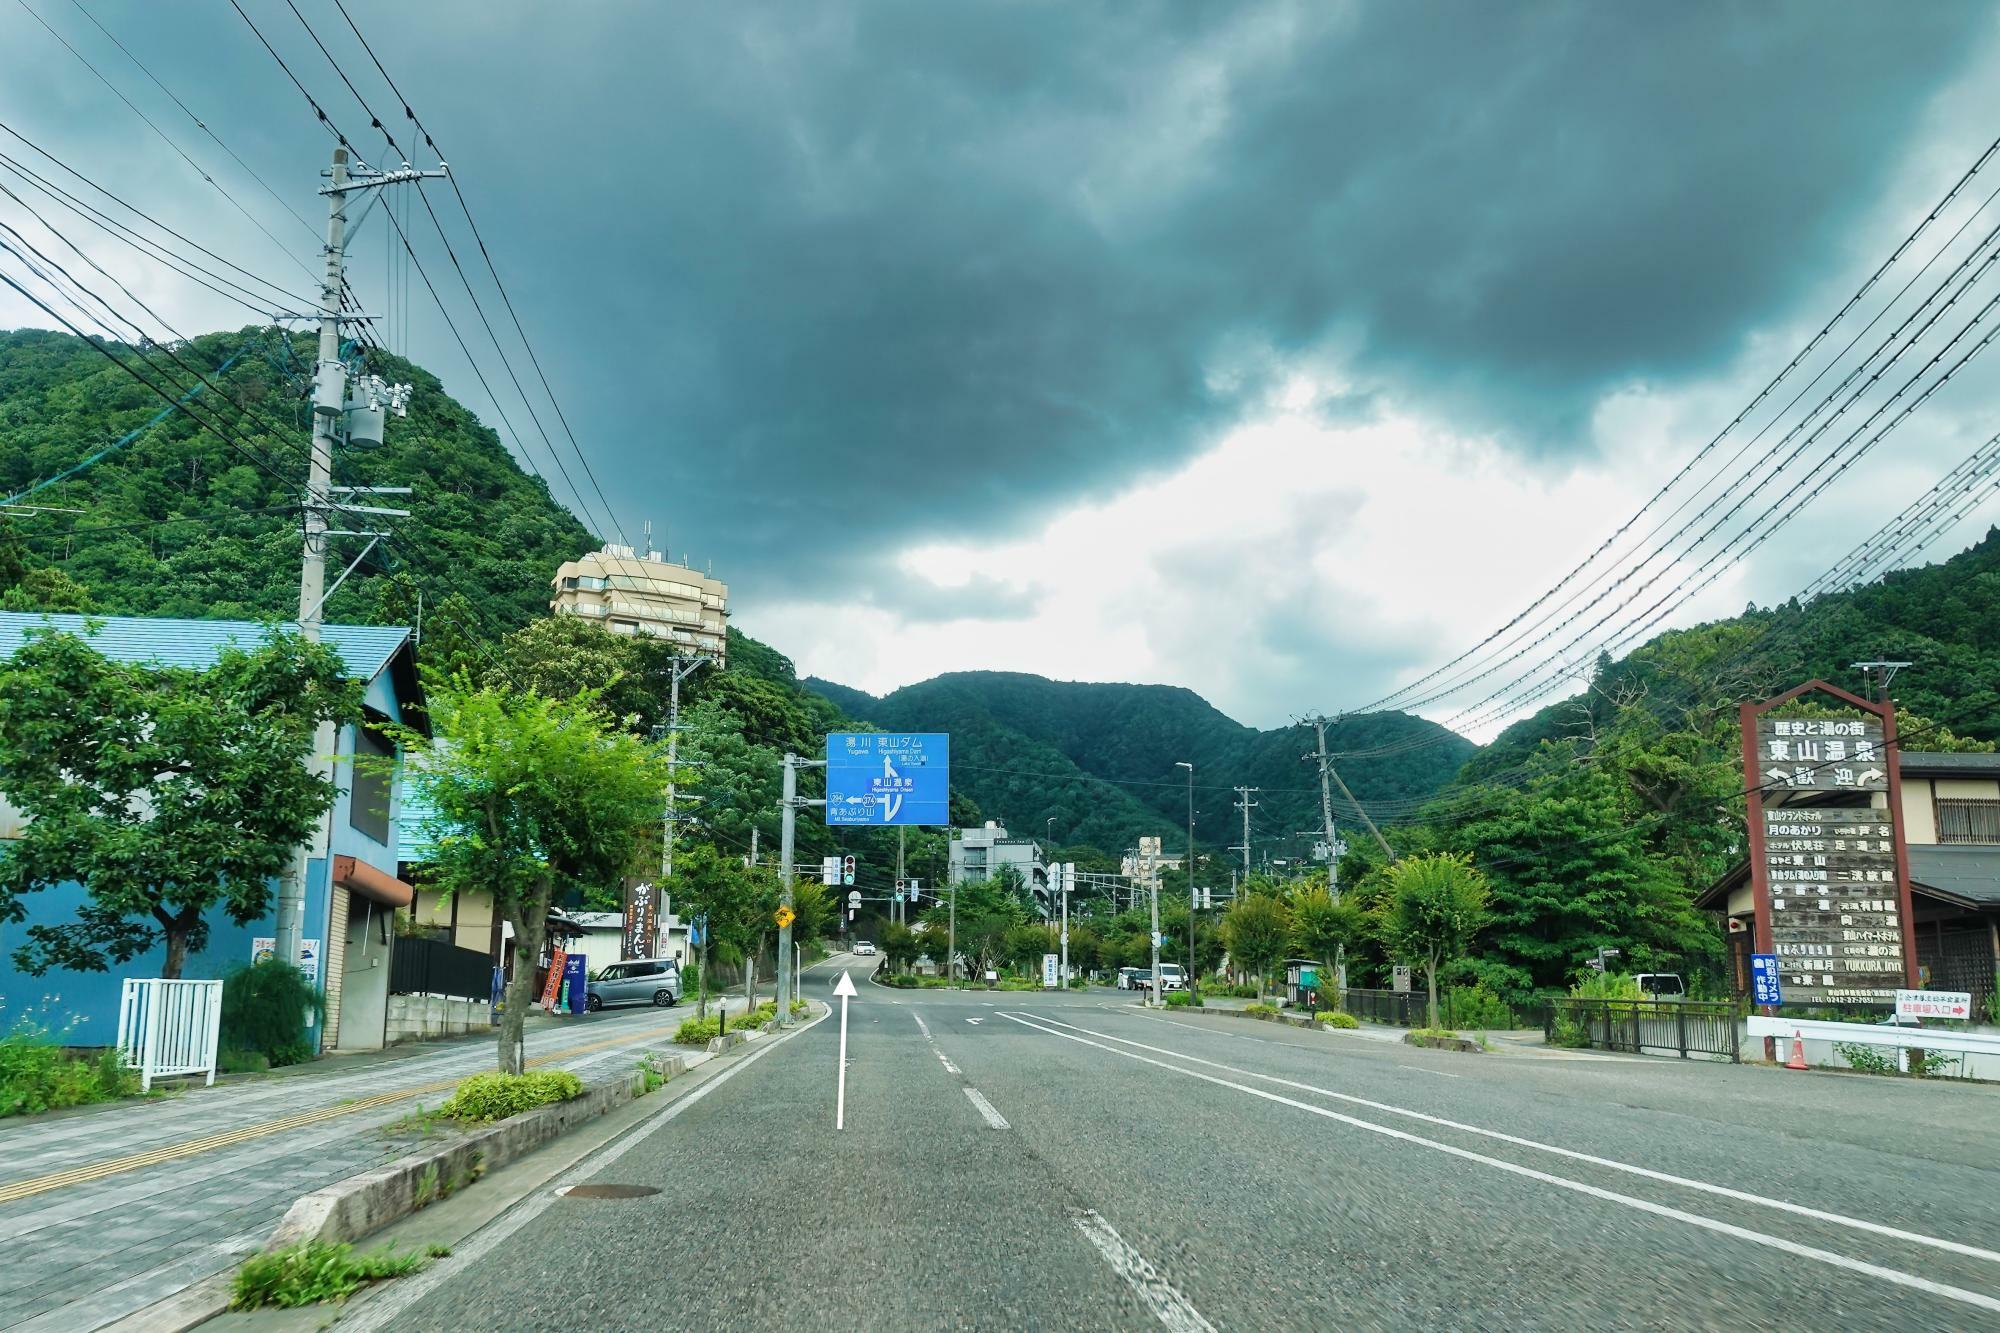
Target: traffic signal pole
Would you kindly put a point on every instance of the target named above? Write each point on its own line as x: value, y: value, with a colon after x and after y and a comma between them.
x: 787, y: 844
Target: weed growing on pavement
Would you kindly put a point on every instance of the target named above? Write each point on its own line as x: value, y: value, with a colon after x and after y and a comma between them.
x: 427, y: 1184
x: 313, y: 1272
x: 696, y: 1031
x: 496, y: 1096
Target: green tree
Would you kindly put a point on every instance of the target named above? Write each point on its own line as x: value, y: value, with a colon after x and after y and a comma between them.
x: 1322, y: 928
x: 1025, y: 944
x: 47, y: 588
x: 899, y: 945
x: 1437, y: 903
x: 534, y: 798
x: 710, y: 888
x: 167, y: 793
x: 1256, y: 929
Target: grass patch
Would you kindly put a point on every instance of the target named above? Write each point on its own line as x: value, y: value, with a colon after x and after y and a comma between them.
x: 495, y: 1096
x: 1180, y: 999
x: 1261, y: 1010
x: 313, y: 1272
x: 37, y: 1074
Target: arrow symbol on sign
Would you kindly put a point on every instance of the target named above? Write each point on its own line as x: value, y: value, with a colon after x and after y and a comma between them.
x: 843, y: 990
x: 893, y: 802
x: 1778, y: 774
x: 1872, y: 775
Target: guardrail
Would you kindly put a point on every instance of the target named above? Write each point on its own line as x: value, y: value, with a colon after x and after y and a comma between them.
x: 169, y: 1027
x: 1873, y: 1034
x: 1685, y: 1028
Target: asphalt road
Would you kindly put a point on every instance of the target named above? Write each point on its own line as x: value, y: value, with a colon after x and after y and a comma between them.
x: 1027, y: 1161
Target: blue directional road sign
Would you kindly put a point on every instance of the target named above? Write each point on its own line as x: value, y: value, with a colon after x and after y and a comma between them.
x: 884, y: 777
x: 1764, y: 979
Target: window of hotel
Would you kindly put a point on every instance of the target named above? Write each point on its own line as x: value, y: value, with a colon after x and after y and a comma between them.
x: 1961, y: 820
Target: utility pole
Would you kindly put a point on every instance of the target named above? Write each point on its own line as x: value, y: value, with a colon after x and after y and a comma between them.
x: 670, y: 819
x: 1332, y: 851
x: 1246, y: 805
x: 1062, y: 887
x: 791, y: 801
x: 1194, y: 991
x: 329, y: 422
x: 898, y: 907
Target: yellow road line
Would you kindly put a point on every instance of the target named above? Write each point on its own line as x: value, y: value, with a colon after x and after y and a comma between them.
x: 23, y: 1189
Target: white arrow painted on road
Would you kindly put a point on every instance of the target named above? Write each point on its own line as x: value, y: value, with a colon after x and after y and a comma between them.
x: 843, y: 989
x: 975, y: 1020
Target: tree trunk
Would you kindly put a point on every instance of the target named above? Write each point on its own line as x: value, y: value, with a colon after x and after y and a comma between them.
x: 750, y: 980
x: 1431, y: 979
x: 177, y: 950
x: 530, y: 928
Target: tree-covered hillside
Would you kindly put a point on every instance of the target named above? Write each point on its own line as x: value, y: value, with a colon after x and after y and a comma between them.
x: 1100, y: 758
x: 183, y: 522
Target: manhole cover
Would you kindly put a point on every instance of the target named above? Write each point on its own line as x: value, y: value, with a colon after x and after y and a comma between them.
x: 609, y: 1191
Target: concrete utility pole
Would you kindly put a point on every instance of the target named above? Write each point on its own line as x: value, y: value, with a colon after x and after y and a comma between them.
x: 787, y: 840
x: 329, y: 424
x: 899, y: 909
x: 1332, y: 851
x: 1246, y: 805
x: 670, y: 820
x: 1062, y: 887
x: 1192, y: 896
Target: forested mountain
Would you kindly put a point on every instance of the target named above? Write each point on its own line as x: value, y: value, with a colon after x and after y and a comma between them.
x: 1100, y: 758
x: 183, y: 522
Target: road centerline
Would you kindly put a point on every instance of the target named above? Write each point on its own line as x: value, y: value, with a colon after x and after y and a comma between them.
x: 1159, y: 1296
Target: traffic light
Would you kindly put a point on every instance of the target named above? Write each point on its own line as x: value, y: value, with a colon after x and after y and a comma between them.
x: 847, y: 869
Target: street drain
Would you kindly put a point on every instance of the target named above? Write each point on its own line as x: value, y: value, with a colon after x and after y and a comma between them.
x: 608, y: 1191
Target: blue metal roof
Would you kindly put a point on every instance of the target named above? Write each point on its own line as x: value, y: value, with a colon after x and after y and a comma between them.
x: 365, y: 650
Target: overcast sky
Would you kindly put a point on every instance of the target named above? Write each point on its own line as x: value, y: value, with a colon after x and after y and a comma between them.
x: 1279, y: 350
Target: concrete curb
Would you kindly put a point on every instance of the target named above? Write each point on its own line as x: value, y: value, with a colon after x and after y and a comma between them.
x: 727, y: 1041
x: 365, y: 1203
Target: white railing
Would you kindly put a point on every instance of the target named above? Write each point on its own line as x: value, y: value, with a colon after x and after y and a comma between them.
x: 169, y: 1028
x: 1871, y: 1034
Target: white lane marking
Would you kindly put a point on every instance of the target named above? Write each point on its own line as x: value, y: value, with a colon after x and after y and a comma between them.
x: 945, y: 1060
x: 936, y: 1050
x: 993, y: 1117
x: 1154, y: 1291
x: 1890, y: 1275
x: 975, y: 1020
x: 1419, y: 1069
x: 922, y: 1026
x: 1702, y: 1186
x: 390, y: 1302
x: 988, y: 1003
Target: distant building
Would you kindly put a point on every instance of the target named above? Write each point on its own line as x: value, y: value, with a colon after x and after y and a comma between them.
x: 980, y: 853
x: 1141, y: 865
x: 629, y: 593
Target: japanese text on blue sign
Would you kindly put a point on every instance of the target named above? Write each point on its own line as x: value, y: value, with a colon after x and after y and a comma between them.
x: 878, y: 778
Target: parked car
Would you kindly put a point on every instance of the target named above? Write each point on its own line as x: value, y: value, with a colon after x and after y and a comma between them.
x: 635, y: 981
x: 1129, y: 978
x: 864, y: 949
x: 1171, y: 978
x: 1661, y: 985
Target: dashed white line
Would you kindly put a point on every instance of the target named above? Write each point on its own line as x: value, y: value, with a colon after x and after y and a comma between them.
x: 922, y: 1026
x: 993, y: 1117
x: 1419, y: 1069
x: 945, y: 1060
x: 1157, y: 1294
x: 1893, y: 1276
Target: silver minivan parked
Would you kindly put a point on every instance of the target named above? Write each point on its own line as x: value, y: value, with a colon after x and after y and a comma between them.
x: 635, y: 981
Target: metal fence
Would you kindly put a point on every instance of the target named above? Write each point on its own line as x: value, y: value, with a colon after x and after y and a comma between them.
x: 168, y: 1028
x: 1687, y: 1028
x: 1403, y: 1009
x: 432, y: 967
x: 1411, y: 1009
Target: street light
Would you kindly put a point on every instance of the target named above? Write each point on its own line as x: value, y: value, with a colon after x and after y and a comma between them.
x: 1194, y: 988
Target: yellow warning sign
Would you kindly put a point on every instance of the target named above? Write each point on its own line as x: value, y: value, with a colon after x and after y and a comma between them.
x: 785, y: 916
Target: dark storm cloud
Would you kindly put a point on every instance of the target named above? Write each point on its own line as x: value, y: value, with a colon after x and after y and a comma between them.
x: 845, y: 278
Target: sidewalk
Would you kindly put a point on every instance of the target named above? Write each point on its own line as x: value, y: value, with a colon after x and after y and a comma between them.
x: 106, y: 1210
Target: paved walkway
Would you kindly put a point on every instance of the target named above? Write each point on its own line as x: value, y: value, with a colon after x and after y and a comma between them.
x: 106, y: 1210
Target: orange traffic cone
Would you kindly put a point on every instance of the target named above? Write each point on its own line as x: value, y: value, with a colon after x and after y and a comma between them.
x: 1798, y: 1060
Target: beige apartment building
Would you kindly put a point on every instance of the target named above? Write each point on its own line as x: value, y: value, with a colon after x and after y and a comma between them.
x: 630, y: 593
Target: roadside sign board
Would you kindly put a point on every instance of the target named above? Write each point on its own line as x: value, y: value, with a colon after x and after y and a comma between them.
x: 1049, y: 962
x: 1955, y: 1004
x: 883, y: 777
x: 783, y: 916
x: 266, y: 946
x: 641, y: 921
x: 1764, y: 987
x: 1836, y: 920
x: 1822, y: 754
x: 1400, y: 980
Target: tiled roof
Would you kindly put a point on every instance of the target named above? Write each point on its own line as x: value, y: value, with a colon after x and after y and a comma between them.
x: 365, y: 650
x: 1929, y: 763
x: 1971, y: 873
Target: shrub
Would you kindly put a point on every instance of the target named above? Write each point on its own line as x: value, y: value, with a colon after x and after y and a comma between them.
x: 1571, y: 1032
x: 696, y: 1031
x: 1606, y: 986
x: 496, y: 1096
x: 37, y: 1074
x: 1476, y: 1007
x: 1180, y: 999
x: 801, y: 1006
x: 1261, y: 1010
x: 1336, y: 1018
x: 264, y: 1008
x: 313, y: 1272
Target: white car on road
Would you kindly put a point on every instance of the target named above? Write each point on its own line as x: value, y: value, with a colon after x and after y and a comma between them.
x: 863, y: 949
